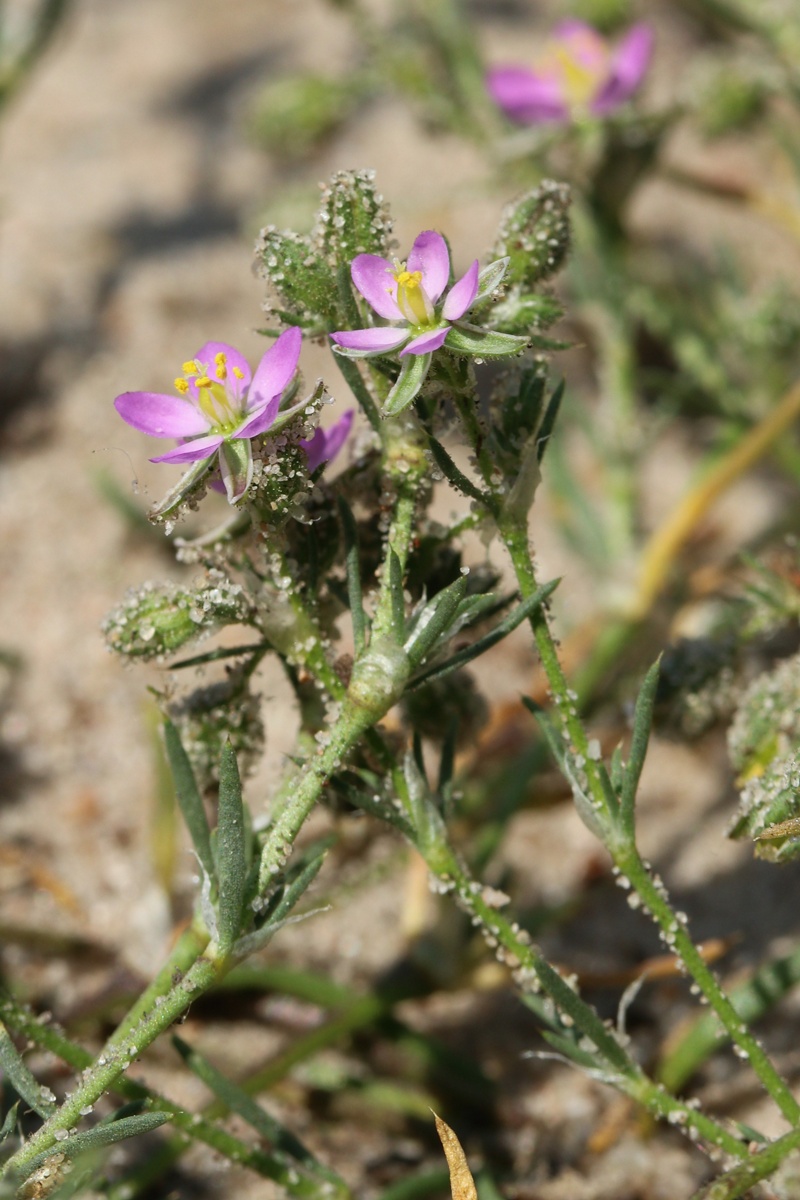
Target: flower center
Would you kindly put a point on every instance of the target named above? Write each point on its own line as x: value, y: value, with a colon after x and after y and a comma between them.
x: 412, y: 299
x: 579, y: 62
x: 215, y: 397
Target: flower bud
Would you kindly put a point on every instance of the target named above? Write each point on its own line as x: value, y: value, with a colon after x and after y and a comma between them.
x: 352, y: 219
x: 156, y: 620
x: 534, y: 234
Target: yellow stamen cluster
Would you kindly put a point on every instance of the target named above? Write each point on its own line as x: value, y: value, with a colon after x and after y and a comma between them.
x: 411, y: 298
x: 220, y: 362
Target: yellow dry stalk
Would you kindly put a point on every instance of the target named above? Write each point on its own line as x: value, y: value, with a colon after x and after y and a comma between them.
x: 462, y: 1185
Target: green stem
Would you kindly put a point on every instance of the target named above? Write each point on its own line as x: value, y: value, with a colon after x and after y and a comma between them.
x: 532, y: 972
x: 515, y: 538
x: 741, y: 1180
x: 190, y: 1126
x: 675, y: 932
x: 751, y: 1000
x: 116, y: 1056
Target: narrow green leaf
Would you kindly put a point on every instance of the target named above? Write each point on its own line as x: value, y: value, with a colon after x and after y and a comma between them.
x: 483, y: 343
x: 571, y: 1050
x: 231, y: 852
x: 545, y: 430
x: 435, y: 620
x: 397, y: 597
x: 236, y: 1100
x: 642, y: 723
x: 105, y: 1134
x: 409, y: 381
x: 279, y: 912
x: 447, y: 760
x: 10, y: 1123
x: 457, y: 477
x: 617, y: 772
x: 21, y: 1079
x: 353, y: 566
x: 584, y: 805
x: 514, y: 618
x: 189, y: 798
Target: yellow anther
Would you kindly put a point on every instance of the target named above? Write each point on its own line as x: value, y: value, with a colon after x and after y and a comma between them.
x: 220, y: 359
x: 238, y: 373
x: 190, y: 368
x: 181, y: 385
x: 409, y: 279
x: 203, y: 381
x: 221, y: 372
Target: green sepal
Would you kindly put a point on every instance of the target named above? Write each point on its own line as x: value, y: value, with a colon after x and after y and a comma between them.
x: 349, y: 352
x: 483, y: 343
x: 186, y: 485
x: 236, y: 466
x: 409, y: 382
x: 287, y: 414
x: 232, y: 866
x: 489, y: 280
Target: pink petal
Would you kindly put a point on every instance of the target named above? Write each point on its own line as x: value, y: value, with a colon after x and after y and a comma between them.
x: 462, y: 294
x: 161, y: 415
x: 235, y: 386
x: 259, y: 421
x: 378, y: 341
x: 276, y: 368
x: 426, y: 342
x: 192, y: 451
x: 326, y: 443
x: 430, y: 255
x: 628, y: 68
x: 525, y: 97
x: 374, y: 278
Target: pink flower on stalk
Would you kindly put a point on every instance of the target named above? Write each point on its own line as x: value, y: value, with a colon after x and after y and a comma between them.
x: 578, y: 71
x: 410, y: 295
x: 219, y: 408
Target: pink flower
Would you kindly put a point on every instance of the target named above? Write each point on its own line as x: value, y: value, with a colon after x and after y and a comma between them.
x: 412, y: 297
x: 578, y: 71
x: 325, y: 444
x: 219, y: 407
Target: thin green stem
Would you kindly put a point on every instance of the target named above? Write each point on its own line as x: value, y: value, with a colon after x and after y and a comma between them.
x: 189, y: 1126
x: 565, y: 713
x: 533, y: 973
x: 743, y: 1177
x: 115, y: 1058
x: 673, y: 926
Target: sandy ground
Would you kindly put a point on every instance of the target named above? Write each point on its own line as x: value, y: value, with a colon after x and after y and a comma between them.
x: 129, y: 200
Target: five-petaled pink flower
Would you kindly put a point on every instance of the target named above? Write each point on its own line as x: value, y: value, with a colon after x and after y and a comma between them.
x: 221, y: 406
x: 578, y: 72
x: 409, y: 295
